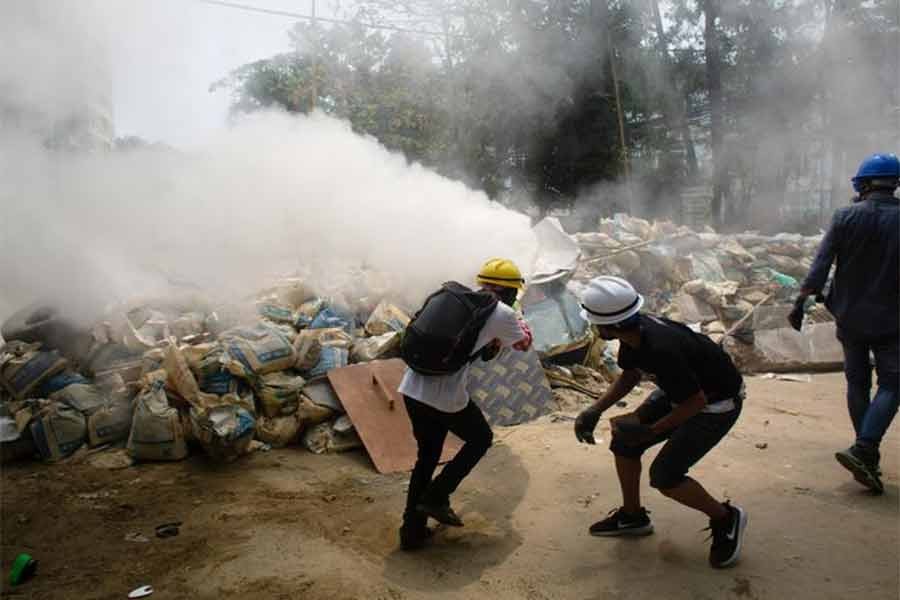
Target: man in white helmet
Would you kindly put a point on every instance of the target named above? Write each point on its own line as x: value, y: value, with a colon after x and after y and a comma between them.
x: 699, y: 398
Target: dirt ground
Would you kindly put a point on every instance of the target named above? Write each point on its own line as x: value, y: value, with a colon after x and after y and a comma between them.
x: 289, y: 524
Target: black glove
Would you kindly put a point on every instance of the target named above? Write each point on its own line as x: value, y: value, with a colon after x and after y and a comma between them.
x: 585, y: 424
x: 795, y: 318
x: 633, y: 433
x: 490, y: 351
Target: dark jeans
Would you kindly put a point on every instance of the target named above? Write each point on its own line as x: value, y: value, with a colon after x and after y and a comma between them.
x: 871, y: 416
x: 430, y: 427
x: 686, y: 444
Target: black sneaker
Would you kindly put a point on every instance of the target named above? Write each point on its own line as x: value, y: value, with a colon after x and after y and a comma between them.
x: 865, y: 472
x: 727, y: 536
x: 620, y: 522
x: 442, y: 513
x: 414, y: 538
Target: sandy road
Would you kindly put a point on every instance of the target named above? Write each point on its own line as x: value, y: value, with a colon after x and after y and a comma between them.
x: 287, y: 524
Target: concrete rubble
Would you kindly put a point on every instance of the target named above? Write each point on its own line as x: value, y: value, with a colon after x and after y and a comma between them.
x: 736, y: 288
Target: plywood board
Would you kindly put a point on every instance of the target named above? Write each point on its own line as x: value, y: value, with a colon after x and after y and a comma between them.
x: 368, y: 392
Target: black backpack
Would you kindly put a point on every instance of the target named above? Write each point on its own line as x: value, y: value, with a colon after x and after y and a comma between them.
x: 441, y: 337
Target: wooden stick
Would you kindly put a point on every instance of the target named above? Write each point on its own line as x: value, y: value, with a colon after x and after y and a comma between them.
x: 743, y: 319
x: 384, y: 391
x: 563, y: 381
x: 632, y: 247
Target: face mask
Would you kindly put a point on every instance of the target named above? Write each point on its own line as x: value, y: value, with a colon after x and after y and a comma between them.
x: 604, y: 333
x: 508, y: 296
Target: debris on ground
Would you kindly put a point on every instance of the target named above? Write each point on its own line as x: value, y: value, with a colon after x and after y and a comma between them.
x: 141, y: 592
x: 168, y: 529
x: 713, y: 281
x: 24, y: 568
x: 155, y: 379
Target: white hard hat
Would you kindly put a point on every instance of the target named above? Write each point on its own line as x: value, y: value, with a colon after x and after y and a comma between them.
x: 609, y: 300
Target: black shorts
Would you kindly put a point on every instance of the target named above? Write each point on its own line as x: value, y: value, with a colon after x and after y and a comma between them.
x: 686, y: 444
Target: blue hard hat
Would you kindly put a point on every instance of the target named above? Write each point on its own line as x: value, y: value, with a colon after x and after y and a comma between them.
x: 877, y: 166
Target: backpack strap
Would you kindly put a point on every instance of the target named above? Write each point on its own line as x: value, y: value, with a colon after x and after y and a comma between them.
x: 459, y: 296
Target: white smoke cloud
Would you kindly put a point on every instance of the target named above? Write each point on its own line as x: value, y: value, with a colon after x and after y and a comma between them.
x: 275, y: 194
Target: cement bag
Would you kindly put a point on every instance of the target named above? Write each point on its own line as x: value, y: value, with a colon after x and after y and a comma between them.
x: 152, y: 378
x: 331, y: 317
x: 661, y: 261
x: 225, y: 432
x: 307, y: 312
x: 58, y: 431
x: 152, y: 360
x: 156, y: 429
x: 244, y: 400
x: 292, y: 292
x: 24, y: 367
x: 334, y: 337
x: 145, y: 338
x: 791, y: 248
x: 278, y: 394
x: 324, y: 438
x: 386, y: 318
x: 110, y: 424
x: 9, y: 432
x: 287, y: 331
x: 276, y: 313
x: 278, y: 432
x: 331, y: 358
x: 311, y: 413
x: 180, y: 377
x: 627, y: 262
x: 257, y: 350
x: 58, y: 382
x: 706, y: 266
x: 737, y: 252
x: 189, y: 325
x: 194, y: 353
x: 788, y: 265
x: 213, y: 377
x: 308, y: 350
x: 373, y: 348
x: 23, y: 413
x: 85, y: 398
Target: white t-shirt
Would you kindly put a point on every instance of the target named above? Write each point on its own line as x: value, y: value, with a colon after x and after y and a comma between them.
x: 447, y: 393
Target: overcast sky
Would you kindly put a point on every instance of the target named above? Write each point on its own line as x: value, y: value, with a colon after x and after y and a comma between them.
x: 166, y: 54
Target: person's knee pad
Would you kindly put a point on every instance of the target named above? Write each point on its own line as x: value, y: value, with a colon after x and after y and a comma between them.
x: 663, y: 477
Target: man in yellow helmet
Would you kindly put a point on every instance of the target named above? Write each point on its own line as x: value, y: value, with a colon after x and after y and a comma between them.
x: 437, y: 400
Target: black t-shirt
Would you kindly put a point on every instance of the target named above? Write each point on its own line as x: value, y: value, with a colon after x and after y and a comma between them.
x: 682, y: 361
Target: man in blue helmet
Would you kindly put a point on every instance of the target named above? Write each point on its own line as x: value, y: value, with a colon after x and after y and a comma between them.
x: 865, y: 300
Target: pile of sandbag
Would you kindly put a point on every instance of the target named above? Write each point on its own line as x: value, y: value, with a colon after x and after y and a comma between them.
x: 163, y: 377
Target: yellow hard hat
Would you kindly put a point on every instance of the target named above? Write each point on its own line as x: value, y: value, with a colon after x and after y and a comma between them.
x: 502, y: 272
